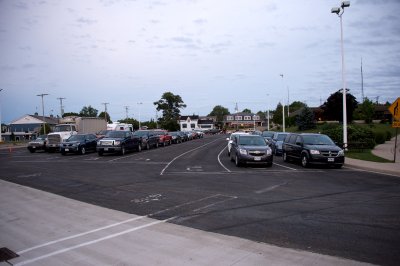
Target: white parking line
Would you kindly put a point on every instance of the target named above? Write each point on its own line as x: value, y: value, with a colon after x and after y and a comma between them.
x: 270, y: 188
x: 220, y: 160
x: 285, y: 166
x: 165, y: 168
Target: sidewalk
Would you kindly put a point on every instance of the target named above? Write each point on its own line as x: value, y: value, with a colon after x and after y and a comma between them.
x: 386, y: 151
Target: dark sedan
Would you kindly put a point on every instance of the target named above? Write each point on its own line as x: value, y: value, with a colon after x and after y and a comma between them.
x: 176, y: 137
x: 148, y: 138
x: 118, y: 142
x: 79, y: 143
x: 250, y: 149
x: 311, y: 148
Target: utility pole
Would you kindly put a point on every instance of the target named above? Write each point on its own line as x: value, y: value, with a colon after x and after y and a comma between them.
x: 105, y: 111
x: 126, y: 111
x: 61, y: 106
x: 0, y: 120
x: 44, y: 122
x: 362, y: 83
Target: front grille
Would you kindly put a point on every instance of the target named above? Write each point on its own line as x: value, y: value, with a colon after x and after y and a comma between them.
x: 256, y: 153
x: 53, y: 139
x: 107, y: 142
x: 329, y: 153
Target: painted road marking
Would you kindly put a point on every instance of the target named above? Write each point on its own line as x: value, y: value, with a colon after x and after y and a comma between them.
x: 270, y: 188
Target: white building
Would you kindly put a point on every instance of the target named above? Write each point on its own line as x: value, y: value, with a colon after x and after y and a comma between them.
x: 194, y: 122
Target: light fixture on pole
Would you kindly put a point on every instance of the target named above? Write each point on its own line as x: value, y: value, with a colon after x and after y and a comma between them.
x: 339, y: 11
x: 44, y: 122
x: 140, y: 103
x: 0, y: 119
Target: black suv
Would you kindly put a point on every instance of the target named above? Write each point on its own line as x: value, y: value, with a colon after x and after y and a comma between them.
x: 148, y: 138
x: 79, y: 143
x: 309, y: 148
x: 118, y: 141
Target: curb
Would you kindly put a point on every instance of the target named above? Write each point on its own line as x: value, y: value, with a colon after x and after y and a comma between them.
x: 372, y: 169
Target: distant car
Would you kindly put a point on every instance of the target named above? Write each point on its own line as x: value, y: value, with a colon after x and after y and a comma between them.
x: 118, y: 142
x: 183, y: 135
x: 38, y: 144
x: 176, y: 137
x: 277, y: 142
x: 164, y: 138
x: 250, y: 149
x: 309, y: 148
x: 268, y: 135
x: 230, y: 139
x: 79, y: 143
x: 147, y: 138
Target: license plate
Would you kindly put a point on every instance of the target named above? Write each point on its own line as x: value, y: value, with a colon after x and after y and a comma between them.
x: 106, y: 149
x: 331, y: 160
x: 66, y: 149
x: 257, y: 158
x: 33, y: 147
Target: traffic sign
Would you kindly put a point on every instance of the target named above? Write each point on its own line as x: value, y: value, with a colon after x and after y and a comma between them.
x: 395, y: 109
x: 396, y: 124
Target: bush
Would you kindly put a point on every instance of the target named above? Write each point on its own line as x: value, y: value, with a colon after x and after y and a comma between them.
x: 355, y: 134
x: 380, y: 137
x: 388, y: 135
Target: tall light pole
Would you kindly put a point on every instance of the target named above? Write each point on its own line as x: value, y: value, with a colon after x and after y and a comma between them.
x: 140, y: 103
x: 339, y: 11
x: 267, y: 113
x: 61, y: 106
x: 105, y: 111
x: 283, y: 116
x: 0, y: 119
x: 44, y: 122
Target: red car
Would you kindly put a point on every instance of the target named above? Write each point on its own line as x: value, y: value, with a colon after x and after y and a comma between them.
x: 163, y: 138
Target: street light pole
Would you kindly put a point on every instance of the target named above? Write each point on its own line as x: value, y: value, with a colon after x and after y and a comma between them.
x: 0, y: 120
x: 267, y: 113
x: 140, y: 103
x: 44, y: 122
x: 339, y: 11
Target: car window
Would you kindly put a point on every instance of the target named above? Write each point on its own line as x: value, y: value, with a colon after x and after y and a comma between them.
x: 280, y: 137
x: 292, y: 139
x: 318, y: 140
x: 252, y: 141
x: 287, y: 138
x: 299, y: 140
x: 115, y: 134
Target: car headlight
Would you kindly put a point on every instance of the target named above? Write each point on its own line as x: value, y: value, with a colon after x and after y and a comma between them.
x: 243, y: 151
x: 117, y: 142
x: 341, y: 153
x: 315, y: 152
x: 75, y: 145
x: 269, y: 152
x: 98, y: 143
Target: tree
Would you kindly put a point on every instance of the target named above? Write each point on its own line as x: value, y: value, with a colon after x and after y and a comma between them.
x: 88, y: 111
x: 366, y: 110
x: 306, y: 120
x: 246, y: 111
x: 70, y: 114
x: 219, y: 111
x: 296, y: 105
x: 333, y: 107
x: 47, y: 127
x: 262, y: 114
x: 170, y: 106
x: 131, y: 121
x: 101, y: 115
x: 277, y: 119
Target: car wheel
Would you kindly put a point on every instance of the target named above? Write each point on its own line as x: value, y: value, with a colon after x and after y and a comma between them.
x: 269, y: 164
x: 156, y: 146
x: 147, y: 146
x: 63, y: 153
x: 164, y: 143
x: 32, y: 150
x: 123, y: 150
x: 237, y: 162
x: 304, y: 160
x: 83, y: 150
x: 338, y: 166
x: 284, y: 155
x: 139, y: 148
x: 100, y: 153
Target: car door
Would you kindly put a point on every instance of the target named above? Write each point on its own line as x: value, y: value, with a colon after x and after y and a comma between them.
x: 298, y: 147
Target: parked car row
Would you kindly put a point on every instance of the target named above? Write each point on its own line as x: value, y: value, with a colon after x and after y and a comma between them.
x: 116, y: 141
x: 306, y: 148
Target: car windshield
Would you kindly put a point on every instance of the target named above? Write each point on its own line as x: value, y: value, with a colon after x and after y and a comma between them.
x: 115, y: 134
x: 281, y: 137
x: 76, y: 138
x: 251, y: 141
x: 62, y: 128
x: 102, y: 132
x: 268, y: 134
x: 41, y: 137
x: 317, y: 140
x: 140, y: 133
x: 173, y: 133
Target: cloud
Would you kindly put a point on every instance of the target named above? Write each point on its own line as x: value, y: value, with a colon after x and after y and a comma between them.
x: 264, y: 44
x: 200, y: 21
x: 21, y: 5
x: 7, y: 68
x: 27, y: 66
x: 86, y: 21
x: 182, y: 40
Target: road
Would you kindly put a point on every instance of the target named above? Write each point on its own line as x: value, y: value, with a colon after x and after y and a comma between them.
x: 339, y: 212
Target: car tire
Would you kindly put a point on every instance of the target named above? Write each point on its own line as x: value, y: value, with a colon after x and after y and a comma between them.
x: 139, y: 148
x: 338, y: 166
x: 32, y: 150
x: 83, y: 150
x: 284, y: 156
x: 237, y: 162
x: 269, y: 164
x: 63, y: 153
x: 100, y: 153
x: 123, y: 150
x: 156, y: 146
x: 304, y: 160
x: 164, y: 143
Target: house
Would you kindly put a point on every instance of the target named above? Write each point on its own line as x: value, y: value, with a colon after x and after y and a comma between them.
x: 27, y: 126
x: 195, y: 122
x: 242, y: 120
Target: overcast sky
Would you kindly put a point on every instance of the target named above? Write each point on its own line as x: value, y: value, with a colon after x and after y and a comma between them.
x: 209, y: 52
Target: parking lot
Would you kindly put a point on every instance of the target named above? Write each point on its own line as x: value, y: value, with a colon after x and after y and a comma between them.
x: 340, y: 212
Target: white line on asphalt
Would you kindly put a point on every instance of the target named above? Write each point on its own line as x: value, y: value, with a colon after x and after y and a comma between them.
x: 270, y: 188
x: 93, y: 241
x: 81, y: 234
x: 165, y: 168
x: 286, y: 166
x: 129, y: 156
x: 221, y: 162
x: 218, y: 202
